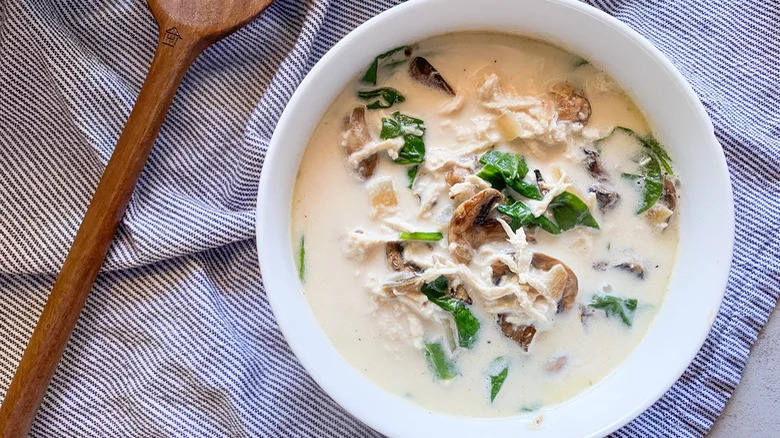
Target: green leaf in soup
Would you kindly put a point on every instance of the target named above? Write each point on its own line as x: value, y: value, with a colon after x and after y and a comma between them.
x: 400, y: 124
x: 371, y: 74
x: 651, y: 183
x: 439, y: 362
x: 569, y: 211
x: 386, y: 97
x: 512, y: 166
x: 612, y: 305
x: 412, y: 174
x: 412, y: 129
x: 467, y: 325
x: 423, y: 236
x: 649, y: 142
x: 413, y: 150
x: 528, y: 190
x: 301, y: 259
x: 521, y: 216
x: 496, y: 381
x: 492, y: 175
x: 507, y: 169
x: 438, y: 291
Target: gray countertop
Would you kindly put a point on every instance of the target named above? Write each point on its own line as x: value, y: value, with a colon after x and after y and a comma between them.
x: 754, y: 409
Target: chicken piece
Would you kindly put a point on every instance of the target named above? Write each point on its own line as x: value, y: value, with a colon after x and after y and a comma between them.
x: 381, y: 196
x: 355, y: 137
x: 571, y: 105
x: 422, y: 71
x: 471, y: 224
x: 523, y: 335
x: 566, y: 286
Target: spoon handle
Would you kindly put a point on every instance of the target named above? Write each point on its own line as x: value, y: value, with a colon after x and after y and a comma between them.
x: 94, y: 236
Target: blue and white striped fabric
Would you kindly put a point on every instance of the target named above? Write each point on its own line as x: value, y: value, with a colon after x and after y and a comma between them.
x: 177, y: 338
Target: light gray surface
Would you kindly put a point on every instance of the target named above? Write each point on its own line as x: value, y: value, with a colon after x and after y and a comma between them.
x: 754, y: 409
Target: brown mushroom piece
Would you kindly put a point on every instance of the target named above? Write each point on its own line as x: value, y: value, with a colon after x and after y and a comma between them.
x: 402, y: 285
x: 471, y: 224
x: 394, y: 252
x: 422, y: 71
x: 569, y: 285
x: 556, y: 364
x: 669, y: 196
x: 499, y: 269
x: 460, y: 293
x: 572, y: 105
x: 634, y: 268
x: 456, y: 174
x: 540, y: 182
x: 606, y: 198
x: 356, y: 137
x: 523, y: 335
x: 595, y: 166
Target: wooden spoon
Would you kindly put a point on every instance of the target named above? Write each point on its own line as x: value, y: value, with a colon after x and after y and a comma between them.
x: 186, y: 28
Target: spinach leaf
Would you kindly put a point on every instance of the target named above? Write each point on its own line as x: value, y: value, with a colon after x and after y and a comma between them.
x: 503, y: 169
x: 651, y: 178
x: 412, y: 130
x: 655, y: 147
x: 371, y: 73
x: 512, y: 166
x: 521, y: 216
x: 612, y: 305
x: 496, y: 382
x: 427, y: 237
x: 301, y: 260
x: 569, y: 211
x: 438, y: 361
x: 412, y: 174
x: 467, y: 325
x: 386, y: 97
x: 651, y: 182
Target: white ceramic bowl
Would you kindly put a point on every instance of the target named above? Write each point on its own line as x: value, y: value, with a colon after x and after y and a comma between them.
x: 679, y: 120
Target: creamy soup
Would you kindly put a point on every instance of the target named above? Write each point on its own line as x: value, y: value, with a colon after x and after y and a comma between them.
x: 484, y: 224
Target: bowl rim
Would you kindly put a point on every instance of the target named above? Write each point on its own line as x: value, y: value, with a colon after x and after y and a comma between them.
x: 275, y: 267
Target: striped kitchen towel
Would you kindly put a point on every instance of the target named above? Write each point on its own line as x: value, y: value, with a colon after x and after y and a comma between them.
x: 177, y: 338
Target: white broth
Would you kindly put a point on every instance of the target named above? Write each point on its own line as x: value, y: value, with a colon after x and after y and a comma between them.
x: 504, y: 102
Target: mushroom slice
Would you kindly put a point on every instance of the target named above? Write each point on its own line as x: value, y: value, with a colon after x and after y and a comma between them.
x: 540, y: 182
x: 606, y: 198
x: 403, y: 284
x: 355, y: 137
x: 556, y: 364
x: 568, y: 284
x: 460, y: 293
x: 634, y: 268
x: 523, y: 335
x: 572, y: 105
x: 471, y: 224
x: 669, y: 197
x: 595, y: 166
x: 456, y: 174
x: 394, y: 251
x: 422, y: 70
x: 499, y: 269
